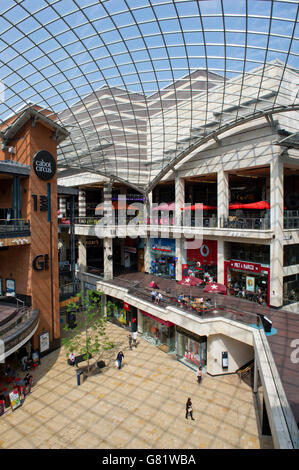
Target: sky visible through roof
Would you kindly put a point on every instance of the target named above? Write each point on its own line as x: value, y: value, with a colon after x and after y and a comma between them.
x: 54, y: 53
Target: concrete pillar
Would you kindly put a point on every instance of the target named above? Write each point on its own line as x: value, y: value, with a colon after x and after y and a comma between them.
x: 179, y: 198
x: 147, y: 255
x: 181, y: 255
x: 108, y: 211
x: 82, y: 203
x: 276, y: 220
x: 222, y: 196
x: 220, y: 260
x: 82, y: 255
x: 62, y: 206
x: 108, y: 259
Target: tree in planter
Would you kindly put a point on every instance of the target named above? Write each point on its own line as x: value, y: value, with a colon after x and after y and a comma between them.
x: 88, y: 337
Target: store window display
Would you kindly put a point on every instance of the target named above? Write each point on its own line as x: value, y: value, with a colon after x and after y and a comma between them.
x: 157, y: 332
x: 192, y: 351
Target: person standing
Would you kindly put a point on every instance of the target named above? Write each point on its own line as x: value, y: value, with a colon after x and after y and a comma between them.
x: 189, y: 409
x: 119, y: 358
x: 199, y: 375
x: 130, y: 341
x: 135, y: 334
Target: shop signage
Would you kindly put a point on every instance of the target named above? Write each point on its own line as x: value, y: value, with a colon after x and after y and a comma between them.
x: 14, y: 398
x: 130, y: 249
x: 41, y: 263
x: 243, y: 266
x: 44, y: 165
x: 10, y: 287
x: 157, y: 248
x: 206, y: 254
x: 44, y: 342
x: 159, y: 320
x: 250, y: 283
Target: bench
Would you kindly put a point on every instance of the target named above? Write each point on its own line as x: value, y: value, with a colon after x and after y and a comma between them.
x: 79, y: 359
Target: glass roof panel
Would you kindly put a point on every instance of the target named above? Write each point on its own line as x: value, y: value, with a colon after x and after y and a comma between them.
x: 141, y: 84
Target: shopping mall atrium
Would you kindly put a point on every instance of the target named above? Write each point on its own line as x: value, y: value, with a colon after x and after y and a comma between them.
x: 150, y: 152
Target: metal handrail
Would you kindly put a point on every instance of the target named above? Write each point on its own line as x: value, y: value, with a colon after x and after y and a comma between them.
x: 14, y: 225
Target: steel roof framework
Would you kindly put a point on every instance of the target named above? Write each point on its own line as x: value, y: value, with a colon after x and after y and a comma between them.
x: 140, y: 84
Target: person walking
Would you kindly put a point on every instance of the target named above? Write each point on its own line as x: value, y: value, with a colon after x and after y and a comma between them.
x: 119, y: 358
x: 130, y: 341
x: 135, y: 334
x: 199, y: 375
x: 189, y: 409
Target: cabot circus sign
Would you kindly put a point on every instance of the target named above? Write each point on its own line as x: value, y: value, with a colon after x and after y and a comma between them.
x: 44, y: 165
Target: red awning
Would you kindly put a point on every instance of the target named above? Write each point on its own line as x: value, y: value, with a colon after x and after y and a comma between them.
x: 194, y: 207
x: 251, y: 205
x: 117, y: 206
x: 170, y: 206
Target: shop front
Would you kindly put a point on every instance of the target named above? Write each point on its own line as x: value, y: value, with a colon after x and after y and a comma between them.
x: 202, y: 261
x: 191, y: 349
x: 163, y: 257
x: 247, y: 280
x: 158, y: 332
x: 122, y: 314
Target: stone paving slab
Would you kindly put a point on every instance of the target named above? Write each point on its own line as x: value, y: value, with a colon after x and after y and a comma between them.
x: 140, y: 406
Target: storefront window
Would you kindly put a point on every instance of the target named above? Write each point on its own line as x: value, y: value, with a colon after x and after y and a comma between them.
x: 250, y: 252
x: 202, y: 261
x: 290, y: 255
x: 122, y: 314
x: 163, y: 257
x: 291, y: 289
x: 248, y: 284
x: 192, y: 350
x: 157, y: 333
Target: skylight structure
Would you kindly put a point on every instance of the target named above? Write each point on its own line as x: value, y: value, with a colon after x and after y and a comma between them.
x: 140, y: 85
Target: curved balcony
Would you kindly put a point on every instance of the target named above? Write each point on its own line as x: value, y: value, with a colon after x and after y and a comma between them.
x: 18, y: 329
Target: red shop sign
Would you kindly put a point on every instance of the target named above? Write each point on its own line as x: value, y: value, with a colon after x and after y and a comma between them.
x: 243, y: 266
x: 206, y: 254
x: 126, y: 306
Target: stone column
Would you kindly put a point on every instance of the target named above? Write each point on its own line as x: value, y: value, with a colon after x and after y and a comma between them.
x: 180, y: 252
x: 62, y: 206
x: 108, y: 258
x: 82, y: 255
x: 222, y: 196
x: 82, y: 203
x: 276, y: 220
x: 220, y: 260
x: 147, y: 258
x: 179, y: 199
x: 108, y: 212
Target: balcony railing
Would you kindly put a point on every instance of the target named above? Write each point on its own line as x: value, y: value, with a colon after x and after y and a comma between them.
x: 14, y: 226
x: 256, y: 223
x: 291, y: 222
x: 245, y: 223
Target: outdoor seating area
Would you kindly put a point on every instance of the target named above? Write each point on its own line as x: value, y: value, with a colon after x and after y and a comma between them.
x: 14, y: 387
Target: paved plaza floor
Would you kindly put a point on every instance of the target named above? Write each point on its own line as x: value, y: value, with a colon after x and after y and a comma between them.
x: 141, y: 406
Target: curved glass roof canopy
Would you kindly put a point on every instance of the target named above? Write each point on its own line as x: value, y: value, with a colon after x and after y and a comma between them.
x: 140, y: 85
